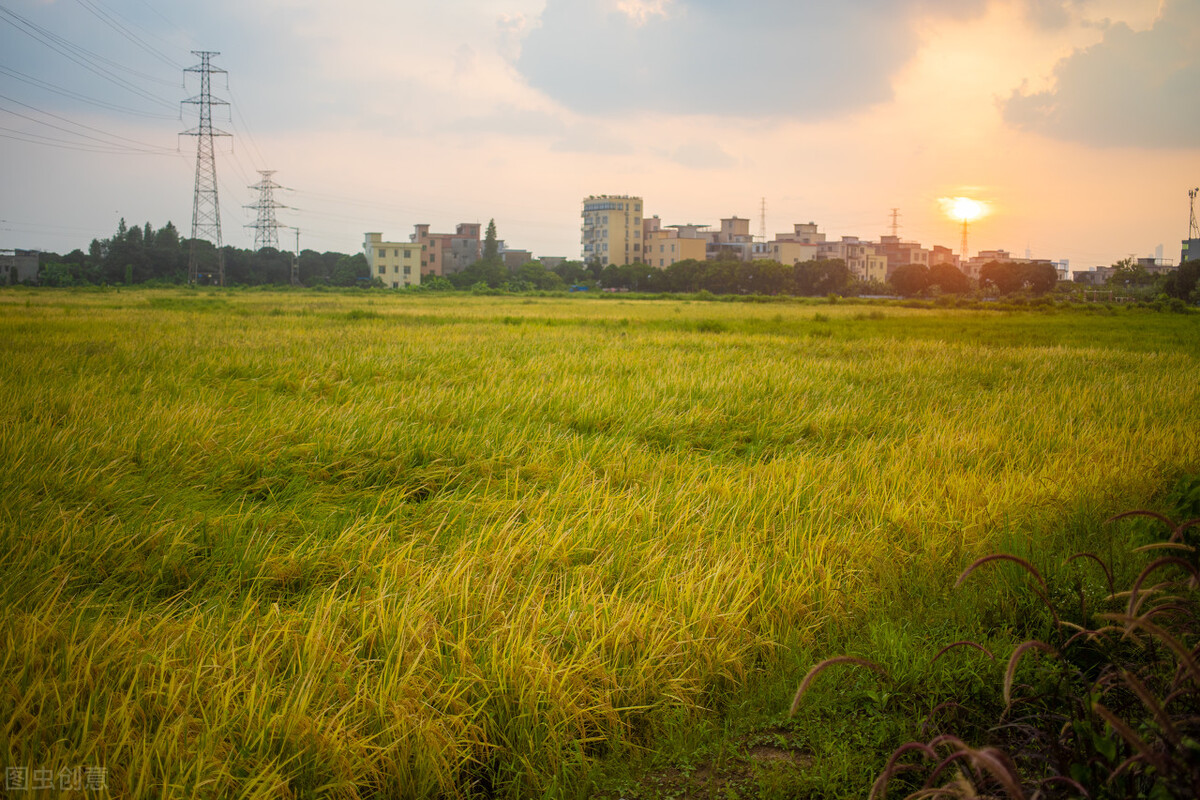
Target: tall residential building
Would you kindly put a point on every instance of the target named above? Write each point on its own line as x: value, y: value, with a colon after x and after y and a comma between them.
x: 611, y: 232
x: 397, y: 264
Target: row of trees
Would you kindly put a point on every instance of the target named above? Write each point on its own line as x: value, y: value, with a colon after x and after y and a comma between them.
x: 140, y: 254
x: 732, y: 277
x: 1005, y: 277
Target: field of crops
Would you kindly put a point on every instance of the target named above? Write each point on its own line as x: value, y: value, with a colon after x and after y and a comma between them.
x: 316, y: 544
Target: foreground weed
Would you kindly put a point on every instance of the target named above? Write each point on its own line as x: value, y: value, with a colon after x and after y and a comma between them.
x: 1107, y: 706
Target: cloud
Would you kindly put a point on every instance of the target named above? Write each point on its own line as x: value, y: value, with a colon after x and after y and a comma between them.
x: 805, y: 59
x: 1134, y: 88
x: 1048, y: 14
x: 589, y: 140
x: 701, y: 155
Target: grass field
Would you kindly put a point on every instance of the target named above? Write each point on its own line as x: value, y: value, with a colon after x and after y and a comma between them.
x: 307, y: 544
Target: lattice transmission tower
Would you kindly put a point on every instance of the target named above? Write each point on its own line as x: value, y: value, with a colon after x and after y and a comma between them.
x: 266, y: 227
x: 1193, y: 228
x: 206, y: 210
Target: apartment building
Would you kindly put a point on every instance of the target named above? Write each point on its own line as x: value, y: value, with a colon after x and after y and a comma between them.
x: 865, y: 260
x: 447, y: 253
x: 666, y: 246
x: 397, y: 264
x: 612, y: 229
x: 900, y: 253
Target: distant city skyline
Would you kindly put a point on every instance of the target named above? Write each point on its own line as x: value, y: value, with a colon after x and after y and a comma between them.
x: 1074, y: 121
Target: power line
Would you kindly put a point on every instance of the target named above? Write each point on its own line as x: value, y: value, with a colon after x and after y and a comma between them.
x: 50, y: 87
x: 148, y: 147
x: 63, y: 144
x: 104, y: 17
x: 83, y: 57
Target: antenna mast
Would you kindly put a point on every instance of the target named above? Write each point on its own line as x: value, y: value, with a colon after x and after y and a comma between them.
x: 1193, y: 228
x: 206, y: 211
x: 762, y: 226
x: 895, y: 222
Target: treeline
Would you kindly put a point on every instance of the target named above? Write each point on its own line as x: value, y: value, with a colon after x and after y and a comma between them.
x: 145, y: 255
x: 136, y: 255
x: 809, y: 278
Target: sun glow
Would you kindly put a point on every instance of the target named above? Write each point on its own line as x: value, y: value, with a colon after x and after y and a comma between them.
x: 963, y: 209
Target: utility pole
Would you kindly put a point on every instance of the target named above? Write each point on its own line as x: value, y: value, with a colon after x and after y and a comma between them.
x: 296, y: 260
x: 266, y: 227
x: 206, y: 211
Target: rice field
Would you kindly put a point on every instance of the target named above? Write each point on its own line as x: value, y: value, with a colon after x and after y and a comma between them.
x: 304, y: 544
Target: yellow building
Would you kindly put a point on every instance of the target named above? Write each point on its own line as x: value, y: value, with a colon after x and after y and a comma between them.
x: 611, y: 232
x: 397, y: 264
x: 792, y: 253
x: 666, y: 247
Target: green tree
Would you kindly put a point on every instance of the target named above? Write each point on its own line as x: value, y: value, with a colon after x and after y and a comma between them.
x: 493, y: 273
x: 1039, y: 278
x: 821, y: 277
x: 1127, y: 272
x: 55, y: 273
x: 491, y: 249
x: 349, y: 270
x: 1005, y: 276
x: 910, y: 279
x: 573, y: 272
x: 949, y: 279
x: 1184, y: 282
x: 537, y: 276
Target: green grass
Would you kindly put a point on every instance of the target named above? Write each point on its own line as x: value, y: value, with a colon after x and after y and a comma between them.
x: 321, y: 544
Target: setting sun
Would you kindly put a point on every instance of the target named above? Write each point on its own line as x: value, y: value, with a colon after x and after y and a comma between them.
x: 963, y: 209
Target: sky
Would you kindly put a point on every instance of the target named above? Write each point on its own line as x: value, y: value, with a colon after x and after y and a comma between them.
x: 1077, y: 122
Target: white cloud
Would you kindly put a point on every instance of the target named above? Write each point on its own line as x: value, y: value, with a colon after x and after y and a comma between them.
x: 640, y: 11
x: 1134, y: 88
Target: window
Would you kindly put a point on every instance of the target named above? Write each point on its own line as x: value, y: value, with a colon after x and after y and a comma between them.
x: 395, y: 253
x: 382, y: 269
x: 383, y: 252
x: 395, y: 269
x: 432, y: 257
x: 407, y: 270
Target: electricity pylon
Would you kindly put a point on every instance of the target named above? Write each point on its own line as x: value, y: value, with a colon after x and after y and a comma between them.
x: 206, y: 210
x: 266, y: 227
